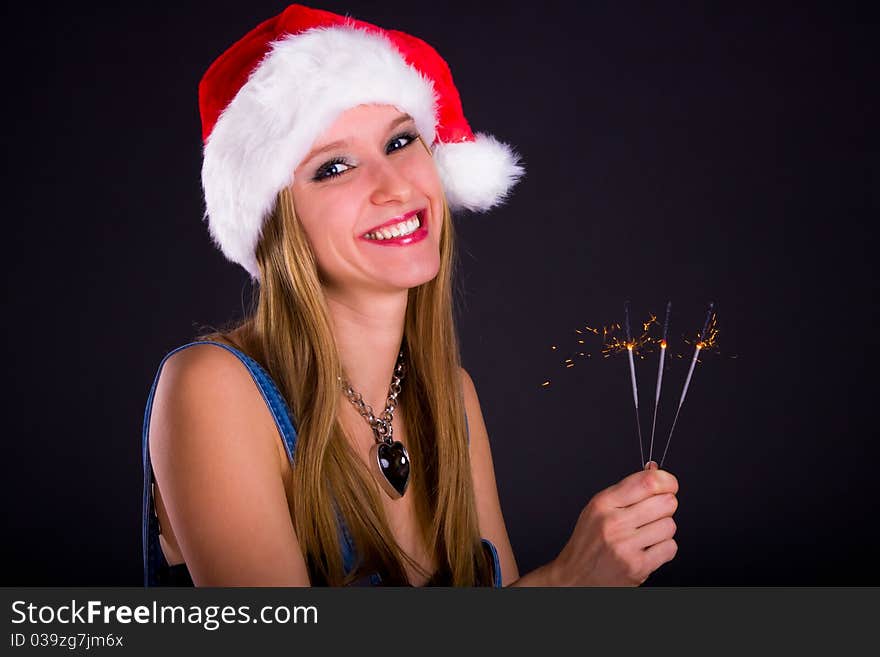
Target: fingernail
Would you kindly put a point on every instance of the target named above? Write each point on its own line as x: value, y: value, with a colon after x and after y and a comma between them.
x: 651, y: 465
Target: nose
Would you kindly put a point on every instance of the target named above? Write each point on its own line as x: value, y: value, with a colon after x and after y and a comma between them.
x: 390, y: 184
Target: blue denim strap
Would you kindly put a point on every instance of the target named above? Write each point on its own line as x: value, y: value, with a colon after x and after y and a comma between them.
x: 496, y: 572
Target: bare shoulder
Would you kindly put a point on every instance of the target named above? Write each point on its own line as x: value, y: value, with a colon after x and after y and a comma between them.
x: 203, y: 362
x: 491, y: 518
x: 476, y: 425
x: 206, y: 386
x: 213, y: 445
x: 468, y: 388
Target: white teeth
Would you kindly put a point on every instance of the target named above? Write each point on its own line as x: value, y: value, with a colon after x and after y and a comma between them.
x: 397, y: 230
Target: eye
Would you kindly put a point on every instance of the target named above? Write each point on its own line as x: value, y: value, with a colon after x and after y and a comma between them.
x: 331, y: 169
x: 400, y: 141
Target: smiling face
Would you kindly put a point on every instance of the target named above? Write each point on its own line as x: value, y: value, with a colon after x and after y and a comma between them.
x: 370, y: 202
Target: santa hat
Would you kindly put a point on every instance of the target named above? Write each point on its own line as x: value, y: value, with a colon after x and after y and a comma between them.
x: 267, y: 99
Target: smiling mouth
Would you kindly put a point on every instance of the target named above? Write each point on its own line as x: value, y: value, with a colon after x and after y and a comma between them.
x: 408, y: 225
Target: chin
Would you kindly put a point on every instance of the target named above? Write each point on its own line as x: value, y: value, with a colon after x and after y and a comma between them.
x: 393, y: 267
x: 416, y: 276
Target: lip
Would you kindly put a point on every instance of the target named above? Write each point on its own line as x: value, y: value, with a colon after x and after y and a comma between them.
x: 420, y: 233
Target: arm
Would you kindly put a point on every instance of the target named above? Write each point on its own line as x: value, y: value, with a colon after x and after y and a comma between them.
x: 213, y: 445
x: 622, y: 535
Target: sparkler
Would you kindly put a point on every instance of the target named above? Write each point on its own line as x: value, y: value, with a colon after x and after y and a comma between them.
x: 659, y: 376
x: 632, y: 372
x: 616, y: 338
x: 707, y: 336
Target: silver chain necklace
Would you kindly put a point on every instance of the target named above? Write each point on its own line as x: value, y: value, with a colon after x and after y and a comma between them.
x: 388, y: 457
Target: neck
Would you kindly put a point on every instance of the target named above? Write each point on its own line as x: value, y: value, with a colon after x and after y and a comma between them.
x: 368, y: 332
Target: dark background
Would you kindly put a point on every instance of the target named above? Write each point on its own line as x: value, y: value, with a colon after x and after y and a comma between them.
x: 685, y: 153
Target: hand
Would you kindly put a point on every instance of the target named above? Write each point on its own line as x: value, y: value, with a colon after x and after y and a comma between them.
x: 623, y: 534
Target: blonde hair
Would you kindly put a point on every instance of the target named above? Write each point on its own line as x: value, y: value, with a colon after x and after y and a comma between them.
x: 288, y: 331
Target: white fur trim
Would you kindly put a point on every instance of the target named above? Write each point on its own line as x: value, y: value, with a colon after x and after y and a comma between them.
x: 302, y: 85
x: 477, y: 175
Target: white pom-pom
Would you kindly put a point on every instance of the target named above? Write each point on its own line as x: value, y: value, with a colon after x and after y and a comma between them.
x: 477, y: 175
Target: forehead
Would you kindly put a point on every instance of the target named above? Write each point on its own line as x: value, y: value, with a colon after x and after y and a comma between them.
x: 359, y: 120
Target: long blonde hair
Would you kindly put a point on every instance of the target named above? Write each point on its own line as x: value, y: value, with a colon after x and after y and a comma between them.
x: 288, y: 331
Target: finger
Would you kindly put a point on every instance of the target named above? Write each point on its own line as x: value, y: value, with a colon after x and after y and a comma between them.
x: 639, y: 486
x: 649, y: 510
x: 657, y: 555
x: 651, y: 465
x: 653, y: 533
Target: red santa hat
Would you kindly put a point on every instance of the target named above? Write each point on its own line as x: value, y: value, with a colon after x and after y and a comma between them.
x: 267, y: 99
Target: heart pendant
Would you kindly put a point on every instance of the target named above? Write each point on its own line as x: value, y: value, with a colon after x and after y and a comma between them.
x: 391, y: 467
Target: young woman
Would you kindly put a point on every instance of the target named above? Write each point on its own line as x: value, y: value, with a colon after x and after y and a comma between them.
x: 332, y: 437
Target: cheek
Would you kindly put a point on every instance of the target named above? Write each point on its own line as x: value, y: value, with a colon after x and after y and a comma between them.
x: 427, y: 179
x: 322, y: 211
x: 423, y: 172
x: 328, y: 225
x: 321, y: 230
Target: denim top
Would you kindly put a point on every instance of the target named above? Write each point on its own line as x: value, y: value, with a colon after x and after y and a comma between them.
x: 157, y: 571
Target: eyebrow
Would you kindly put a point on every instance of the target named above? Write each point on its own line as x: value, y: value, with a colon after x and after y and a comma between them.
x: 342, y: 142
